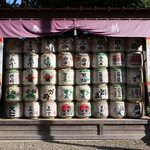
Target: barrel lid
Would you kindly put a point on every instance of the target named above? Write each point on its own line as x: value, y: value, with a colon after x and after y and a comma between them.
x: 101, y: 85
x: 134, y: 86
x: 12, y: 71
x: 101, y: 69
x: 118, y: 85
x: 84, y: 70
x: 101, y: 54
x: 117, y: 69
x: 118, y: 53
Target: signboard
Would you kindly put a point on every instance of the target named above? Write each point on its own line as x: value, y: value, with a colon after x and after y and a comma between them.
x: 1, y: 65
x: 148, y: 66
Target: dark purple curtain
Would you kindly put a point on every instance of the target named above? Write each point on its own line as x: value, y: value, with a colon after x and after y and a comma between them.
x: 39, y: 28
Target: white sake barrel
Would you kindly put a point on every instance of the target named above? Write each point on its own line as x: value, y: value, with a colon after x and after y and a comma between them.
x: 98, y: 44
x: 13, y: 77
x: 14, y: 110
x: 82, y: 44
x: 100, y: 92
x: 83, y: 77
x: 117, y: 92
x: 32, y: 110
x: 117, y: 76
x: 83, y: 109
x: 48, y: 61
x: 31, y: 61
x: 47, y: 93
x: 134, y: 76
x: 65, y: 60
x: 66, y: 110
x: 99, y: 76
x: 48, y: 77
x: 30, y: 77
x: 13, y: 93
x: 100, y: 109
x: 14, y: 45
x: 116, y: 44
x: 66, y: 77
x: 65, y: 93
x: 116, y: 59
x: 49, y: 109
x: 65, y: 44
x: 134, y: 93
x: 117, y: 109
x: 99, y: 60
x: 134, y: 109
x: 30, y: 93
x: 134, y: 60
x: 48, y: 45
x: 82, y: 60
x: 30, y: 45
x: 82, y: 93
x: 13, y: 61
x: 133, y: 45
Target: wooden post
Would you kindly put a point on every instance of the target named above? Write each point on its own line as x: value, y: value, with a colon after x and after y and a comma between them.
x: 148, y: 68
x: 1, y: 65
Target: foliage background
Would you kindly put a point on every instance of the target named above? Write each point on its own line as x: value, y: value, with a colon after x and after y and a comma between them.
x: 73, y: 3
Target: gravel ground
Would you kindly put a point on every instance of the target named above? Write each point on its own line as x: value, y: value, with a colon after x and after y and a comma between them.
x: 76, y: 145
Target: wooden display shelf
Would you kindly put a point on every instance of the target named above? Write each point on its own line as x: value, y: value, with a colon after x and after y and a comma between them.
x: 71, y: 129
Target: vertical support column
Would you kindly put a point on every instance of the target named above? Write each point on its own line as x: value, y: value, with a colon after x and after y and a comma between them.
x: 148, y: 67
x: 1, y: 65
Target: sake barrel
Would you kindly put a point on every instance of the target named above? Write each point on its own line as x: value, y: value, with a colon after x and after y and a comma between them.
x: 134, y: 76
x: 31, y: 61
x: 82, y: 60
x: 98, y: 44
x: 99, y: 60
x: 83, y: 77
x: 99, y: 76
x: 66, y: 110
x: 14, y: 110
x: 133, y: 45
x: 82, y: 93
x: 30, y: 93
x: 65, y: 44
x: 47, y: 93
x: 13, y: 93
x: 13, y: 61
x: 134, y: 93
x: 48, y: 77
x: 49, y: 110
x: 134, y: 60
x: 66, y: 77
x: 100, y: 92
x: 65, y: 60
x: 117, y: 76
x: 116, y: 44
x: 116, y: 60
x: 117, y: 109
x: 47, y: 45
x: 83, y: 109
x: 30, y: 46
x: 48, y: 61
x: 100, y: 109
x: 30, y: 77
x: 14, y: 45
x: 117, y: 92
x: 82, y: 44
x: 65, y: 93
x: 13, y: 77
x: 32, y: 110
x: 134, y: 109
